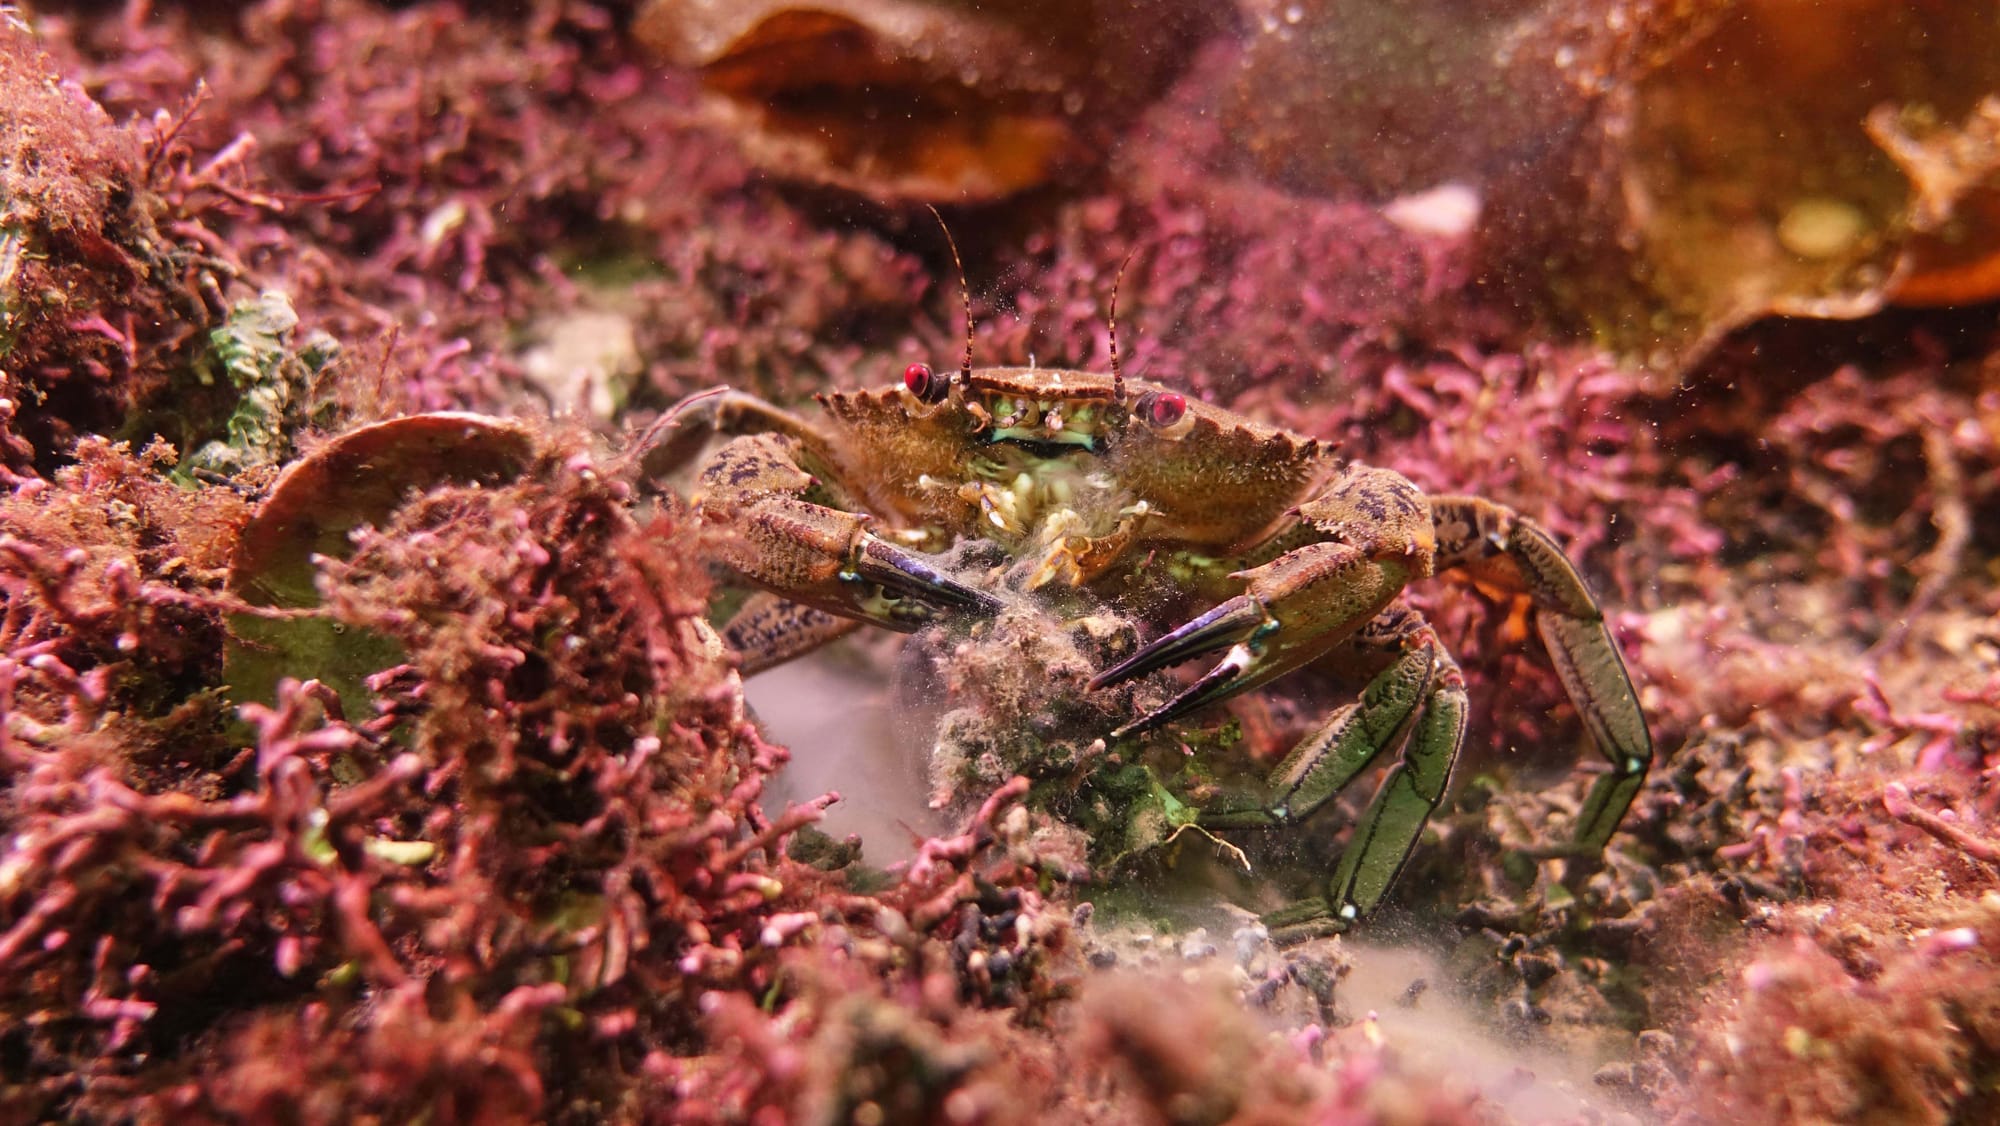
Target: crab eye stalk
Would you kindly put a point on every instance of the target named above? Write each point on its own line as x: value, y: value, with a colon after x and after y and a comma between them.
x: 925, y: 384
x: 1161, y: 409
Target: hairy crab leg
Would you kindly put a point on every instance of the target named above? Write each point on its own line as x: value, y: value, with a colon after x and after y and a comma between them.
x: 1494, y: 544
x: 679, y: 436
x: 793, y: 531
x: 1417, y: 704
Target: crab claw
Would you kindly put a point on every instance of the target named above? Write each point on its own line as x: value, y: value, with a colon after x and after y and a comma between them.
x: 908, y: 593
x: 1296, y: 607
x: 1235, y: 623
x: 815, y: 554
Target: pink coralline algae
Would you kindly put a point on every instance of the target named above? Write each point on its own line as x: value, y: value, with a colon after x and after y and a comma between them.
x: 563, y: 834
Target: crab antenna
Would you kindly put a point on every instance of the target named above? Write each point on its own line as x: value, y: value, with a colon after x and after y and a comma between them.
x: 1118, y: 375
x: 964, y: 294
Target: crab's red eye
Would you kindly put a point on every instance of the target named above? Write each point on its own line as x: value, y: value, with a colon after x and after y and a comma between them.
x: 924, y: 383
x: 1162, y: 408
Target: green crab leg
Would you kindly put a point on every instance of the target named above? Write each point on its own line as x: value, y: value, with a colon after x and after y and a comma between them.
x: 769, y: 630
x: 1417, y: 704
x: 1495, y: 544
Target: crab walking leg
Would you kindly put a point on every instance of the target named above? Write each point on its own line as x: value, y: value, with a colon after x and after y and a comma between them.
x: 768, y: 631
x: 1495, y: 544
x: 1411, y: 792
x: 1417, y: 704
x: 679, y: 436
x: 814, y: 554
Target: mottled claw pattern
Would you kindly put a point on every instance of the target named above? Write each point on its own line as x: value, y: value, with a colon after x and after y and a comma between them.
x: 816, y: 554
x: 1106, y: 483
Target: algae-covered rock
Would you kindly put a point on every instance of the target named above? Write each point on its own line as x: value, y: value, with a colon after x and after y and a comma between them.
x: 68, y: 261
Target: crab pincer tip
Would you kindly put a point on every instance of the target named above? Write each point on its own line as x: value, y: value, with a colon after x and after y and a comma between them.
x: 1227, y: 624
x: 905, y: 573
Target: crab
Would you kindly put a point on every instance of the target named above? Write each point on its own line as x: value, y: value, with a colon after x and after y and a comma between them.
x: 1146, y: 498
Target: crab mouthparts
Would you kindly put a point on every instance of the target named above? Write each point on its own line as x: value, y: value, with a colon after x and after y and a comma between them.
x: 1042, y: 424
x: 1035, y: 436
